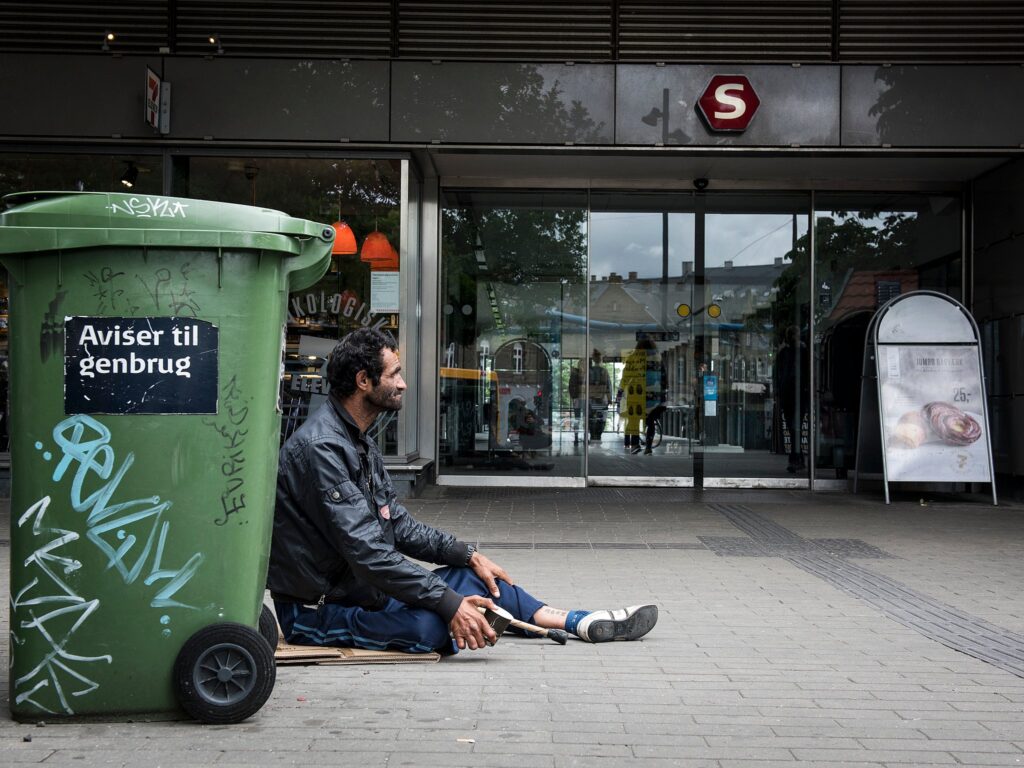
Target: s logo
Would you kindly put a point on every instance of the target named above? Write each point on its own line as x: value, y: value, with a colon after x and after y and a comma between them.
x: 728, y: 103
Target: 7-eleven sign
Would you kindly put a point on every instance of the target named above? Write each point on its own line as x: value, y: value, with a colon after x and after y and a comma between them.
x: 158, y: 102
x: 152, y: 99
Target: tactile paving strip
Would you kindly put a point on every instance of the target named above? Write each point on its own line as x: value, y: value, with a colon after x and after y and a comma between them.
x: 744, y: 546
x: 934, y: 619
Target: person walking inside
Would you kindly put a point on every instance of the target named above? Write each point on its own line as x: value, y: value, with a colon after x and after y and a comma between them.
x: 792, y: 385
x: 599, y: 396
x: 644, y: 383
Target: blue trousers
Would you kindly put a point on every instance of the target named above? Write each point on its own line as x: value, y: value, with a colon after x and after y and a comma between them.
x: 397, y: 626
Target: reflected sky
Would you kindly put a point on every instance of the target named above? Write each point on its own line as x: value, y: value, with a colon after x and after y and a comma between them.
x: 624, y: 242
x: 750, y: 239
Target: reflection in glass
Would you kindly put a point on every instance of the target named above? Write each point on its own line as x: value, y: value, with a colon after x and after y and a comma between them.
x: 754, y: 365
x: 81, y: 173
x: 641, y: 331
x: 869, y: 249
x: 513, y: 312
x: 362, y: 195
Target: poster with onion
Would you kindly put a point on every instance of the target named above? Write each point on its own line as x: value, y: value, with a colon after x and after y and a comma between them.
x: 933, y: 413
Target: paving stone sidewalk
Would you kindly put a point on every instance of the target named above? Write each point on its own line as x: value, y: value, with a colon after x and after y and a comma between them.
x: 796, y: 629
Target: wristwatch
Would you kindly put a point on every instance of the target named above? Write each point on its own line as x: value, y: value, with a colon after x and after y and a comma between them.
x: 470, y: 551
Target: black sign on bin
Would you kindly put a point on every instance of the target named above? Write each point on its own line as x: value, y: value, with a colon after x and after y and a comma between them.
x: 136, y: 365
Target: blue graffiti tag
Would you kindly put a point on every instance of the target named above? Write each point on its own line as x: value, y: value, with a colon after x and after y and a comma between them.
x: 85, y: 443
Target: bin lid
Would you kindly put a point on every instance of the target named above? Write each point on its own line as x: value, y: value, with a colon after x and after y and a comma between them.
x: 43, y: 221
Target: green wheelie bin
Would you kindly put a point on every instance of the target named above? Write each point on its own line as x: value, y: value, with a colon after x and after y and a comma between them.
x: 146, y: 338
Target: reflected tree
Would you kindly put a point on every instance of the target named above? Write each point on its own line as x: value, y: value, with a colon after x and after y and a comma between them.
x: 520, y: 106
x: 523, y: 261
x: 845, y: 242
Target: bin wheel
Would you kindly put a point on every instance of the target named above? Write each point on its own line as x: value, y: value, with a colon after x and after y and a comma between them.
x: 268, y: 626
x: 224, y: 673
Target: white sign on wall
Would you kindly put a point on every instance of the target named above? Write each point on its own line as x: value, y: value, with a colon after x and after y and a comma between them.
x: 384, y: 292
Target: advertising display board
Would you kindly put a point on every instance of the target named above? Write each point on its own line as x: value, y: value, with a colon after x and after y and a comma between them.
x: 932, y: 419
x: 930, y: 393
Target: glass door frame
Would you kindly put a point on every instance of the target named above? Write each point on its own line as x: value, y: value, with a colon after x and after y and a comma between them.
x: 698, y: 336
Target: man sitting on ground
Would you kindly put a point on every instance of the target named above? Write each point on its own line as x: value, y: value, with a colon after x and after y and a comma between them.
x: 339, y: 574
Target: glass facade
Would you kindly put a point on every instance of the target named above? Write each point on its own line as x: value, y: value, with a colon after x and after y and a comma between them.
x: 696, y: 350
x: 512, y: 331
x: 362, y: 288
x: 142, y: 174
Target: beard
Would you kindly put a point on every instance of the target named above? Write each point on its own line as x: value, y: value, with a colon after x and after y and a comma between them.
x: 386, y: 398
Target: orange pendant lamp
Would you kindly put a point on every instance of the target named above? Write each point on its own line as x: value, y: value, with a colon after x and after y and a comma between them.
x: 344, y: 240
x: 378, y: 252
x: 375, y: 248
x: 387, y: 265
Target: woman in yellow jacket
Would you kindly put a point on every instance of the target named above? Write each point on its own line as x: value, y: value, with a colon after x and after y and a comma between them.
x: 643, y: 384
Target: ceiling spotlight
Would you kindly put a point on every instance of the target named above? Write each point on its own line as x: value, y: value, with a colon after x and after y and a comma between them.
x: 130, y: 175
x: 108, y: 38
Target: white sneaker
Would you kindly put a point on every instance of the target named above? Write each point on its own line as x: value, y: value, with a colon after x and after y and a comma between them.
x: 624, y: 624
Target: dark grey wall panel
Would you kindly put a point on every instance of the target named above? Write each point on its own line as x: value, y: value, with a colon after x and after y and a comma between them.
x: 514, y: 103
x: 938, y: 106
x: 287, y: 100
x: 998, y: 222
x: 999, y: 205
x: 85, y: 96
x: 799, y: 105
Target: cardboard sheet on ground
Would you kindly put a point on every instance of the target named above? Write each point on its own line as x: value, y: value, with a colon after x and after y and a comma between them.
x: 308, y: 654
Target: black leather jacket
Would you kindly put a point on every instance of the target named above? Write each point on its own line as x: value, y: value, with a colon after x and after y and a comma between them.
x: 340, y: 533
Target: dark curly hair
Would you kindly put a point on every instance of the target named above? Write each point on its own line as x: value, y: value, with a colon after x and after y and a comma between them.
x: 358, y: 351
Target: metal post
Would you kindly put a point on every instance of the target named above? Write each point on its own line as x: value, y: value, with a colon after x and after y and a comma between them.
x: 812, y: 406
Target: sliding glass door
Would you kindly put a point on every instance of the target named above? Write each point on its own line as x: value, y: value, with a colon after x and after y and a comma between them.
x: 641, y: 400
x: 755, y: 339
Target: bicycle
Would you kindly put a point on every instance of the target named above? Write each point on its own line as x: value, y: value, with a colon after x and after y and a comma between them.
x: 655, y: 439
x: 642, y: 445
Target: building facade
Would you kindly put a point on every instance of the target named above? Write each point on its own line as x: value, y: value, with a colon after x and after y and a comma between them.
x: 572, y: 215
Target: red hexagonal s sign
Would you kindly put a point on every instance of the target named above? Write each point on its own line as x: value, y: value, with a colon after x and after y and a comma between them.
x: 728, y: 103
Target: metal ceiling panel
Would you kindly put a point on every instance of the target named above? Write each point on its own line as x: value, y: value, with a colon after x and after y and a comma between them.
x: 39, y: 26
x: 725, y: 30
x: 630, y: 31
x: 304, y: 28
x: 469, y: 29
x: 924, y: 31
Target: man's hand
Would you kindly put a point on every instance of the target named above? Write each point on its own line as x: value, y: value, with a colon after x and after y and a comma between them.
x: 489, y: 572
x: 469, y: 628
